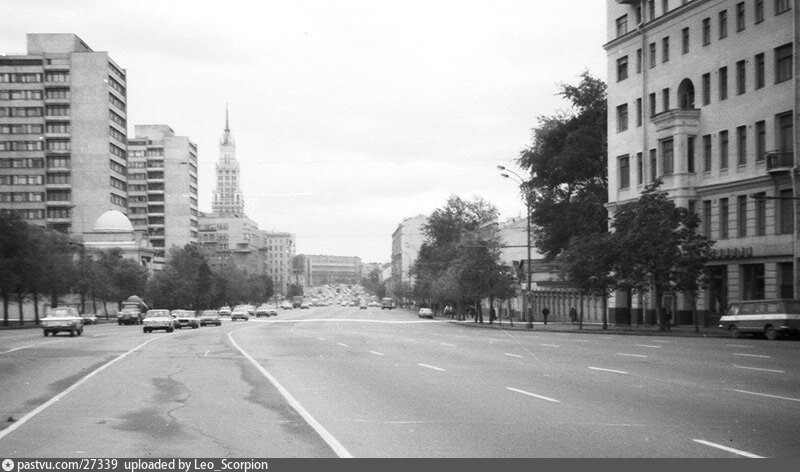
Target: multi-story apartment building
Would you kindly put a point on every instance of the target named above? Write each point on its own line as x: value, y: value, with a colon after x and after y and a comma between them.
x: 277, y: 253
x: 702, y: 95
x: 407, y: 240
x: 231, y: 241
x: 162, y: 187
x: 320, y: 270
x: 63, y: 133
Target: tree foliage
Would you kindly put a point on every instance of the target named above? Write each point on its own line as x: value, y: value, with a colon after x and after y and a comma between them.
x: 567, y: 189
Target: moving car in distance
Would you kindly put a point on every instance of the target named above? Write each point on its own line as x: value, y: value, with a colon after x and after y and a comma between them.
x: 132, y: 311
x: 266, y: 310
x: 362, y: 305
x: 62, y: 319
x: 387, y: 303
x: 426, y: 313
x: 240, y: 313
x: 286, y: 305
x: 186, y: 318
x: 225, y: 311
x: 210, y: 317
x: 770, y: 318
x: 158, y: 319
x: 89, y: 318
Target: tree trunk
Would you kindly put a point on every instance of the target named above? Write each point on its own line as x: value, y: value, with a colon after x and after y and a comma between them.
x: 5, y: 296
x: 36, y: 307
x: 20, y: 300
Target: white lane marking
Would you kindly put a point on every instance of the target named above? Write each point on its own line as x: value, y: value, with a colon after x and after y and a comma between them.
x: 17, y: 349
x: 729, y: 449
x: 759, y: 369
x: 769, y: 396
x: 326, y: 436
x: 550, y: 345
x: 661, y: 341
x: 431, y: 367
x: 377, y: 353
x: 352, y: 320
x: 206, y: 354
x: 321, y: 339
x: 609, y: 370
x: 448, y: 344
x: 43, y: 406
x: 511, y: 355
x: 752, y: 355
x: 581, y: 340
x: 648, y: 345
x: 762, y: 370
x: 739, y: 345
x: 533, y: 395
x: 343, y: 344
x: 631, y: 355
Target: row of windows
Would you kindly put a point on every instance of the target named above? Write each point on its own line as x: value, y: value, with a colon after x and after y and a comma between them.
x: 22, y: 163
x: 57, y: 93
x: 116, y: 101
x: 21, y: 179
x: 21, y: 111
x: 116, y: 134
x: 20, y: 77
x: 20, y: 94
x: 58, y: 127
x: 116, y: 70
x: 58, y: 145
x: 782, y: 216
x: 117, y: 200
x: 21, y: 128
x: 117, y: 167
x: 37, y: 145
x: 116, y: 150
x: 56, y: 76
x: 116, y: 118
x: 116, y: 85
x: 56, y: 110
x: 24, y: 213
x: 21, y: 197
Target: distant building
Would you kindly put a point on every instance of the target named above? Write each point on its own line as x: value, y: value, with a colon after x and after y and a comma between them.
x: 407, y: 240
x: 113, y: 230
x: 228, y: 197
x: 162, y: 187
x: 277, y: 253
x: 63, y: 132
x: 230, y: 241
x: 321, y: 270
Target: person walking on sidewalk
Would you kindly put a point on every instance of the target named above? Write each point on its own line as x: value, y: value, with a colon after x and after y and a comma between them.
x: 573, y: 315
x: 545, y: 312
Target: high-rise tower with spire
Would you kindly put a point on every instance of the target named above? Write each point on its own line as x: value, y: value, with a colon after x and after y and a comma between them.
x: 228, y: 195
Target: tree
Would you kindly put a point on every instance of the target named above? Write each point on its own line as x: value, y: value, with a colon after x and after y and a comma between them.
x: 588, y: 261
x: 13, y: 240
x: 568, y: 185
x: 185, y: 282
x: 294, y: 290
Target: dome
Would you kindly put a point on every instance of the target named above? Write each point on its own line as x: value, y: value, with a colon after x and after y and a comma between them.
x: 113, y: 221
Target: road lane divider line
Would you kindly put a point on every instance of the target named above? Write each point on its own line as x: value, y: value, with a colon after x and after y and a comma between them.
x: 729, y: 449
x: 326, y: 436
x: 661, y: 341
x: 550, y: 345
x: 377, y: 353
x: 17, y: 349
x: 740, y: 346
x: 631, y: 355
x: 431, y: 367
x: 649, y: 345
x: 541, y: 397
x: 609, y: 370
x: 752, y: 355
x: 760, y: 369
x: 343, y: 344
x: 768, y: 395
x: 448, y: 344
x: 511, y: 355
x: 17, y: 424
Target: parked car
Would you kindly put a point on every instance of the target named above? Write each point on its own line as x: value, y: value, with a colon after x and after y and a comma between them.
x: 89, y: 318
x: 158, y: 319
x: 362, y: 305
x: 286, y: 305
x: 426, y: 313
x: 186, y: 318
x: 770, y: 318
x: 225, y: 311
x: 62, y: 319
x: 266, y: 310
x: 305, y: 306
x: 210, y: 317
x: 240, y: 313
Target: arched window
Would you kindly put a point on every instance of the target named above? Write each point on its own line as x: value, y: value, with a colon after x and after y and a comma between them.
x: 686, y: 94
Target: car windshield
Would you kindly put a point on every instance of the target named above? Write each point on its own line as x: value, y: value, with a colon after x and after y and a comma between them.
x: 209, y: 313
x: 157, y: 313
x: 60, y: 313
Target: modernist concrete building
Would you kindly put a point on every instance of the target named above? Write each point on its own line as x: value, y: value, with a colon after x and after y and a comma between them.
x: 230, y: 241
x: 702, y: 94
x: 321, y: 269
x: 277, y: 252
x: 162, y: 187
x: 407, y: 240
x: 63, y: 133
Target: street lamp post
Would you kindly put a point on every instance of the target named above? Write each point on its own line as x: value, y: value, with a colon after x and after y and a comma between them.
x: 525, y: 301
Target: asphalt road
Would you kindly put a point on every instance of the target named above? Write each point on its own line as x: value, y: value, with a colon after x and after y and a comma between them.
x: 342, y: 382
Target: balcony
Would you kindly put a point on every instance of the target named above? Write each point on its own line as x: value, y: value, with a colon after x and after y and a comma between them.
x: 779, y: 161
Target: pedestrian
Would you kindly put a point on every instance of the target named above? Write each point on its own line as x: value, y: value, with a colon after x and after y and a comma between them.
x: 545, y: 312
x: 573, y: 315
x: 492, y: 315
x: 667, y: 318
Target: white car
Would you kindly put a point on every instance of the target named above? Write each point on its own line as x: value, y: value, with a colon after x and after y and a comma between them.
x: 158, y: 319
x: 240, y: 313
x: 426, y: 313
x: 62, y: 319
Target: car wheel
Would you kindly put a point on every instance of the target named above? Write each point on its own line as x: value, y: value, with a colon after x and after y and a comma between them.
x: 144, y: 330
x: 735, y: 333
x: 72, y: 332
x: 80, y: 331
x: 46, y: 333
x: 169, y: 330
x: 771, y: 333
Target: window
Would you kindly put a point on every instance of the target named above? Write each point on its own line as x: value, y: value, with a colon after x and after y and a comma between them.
x: 706, y: 89
x: 664, y: 7
x: 782, y: 6
x: 723, y: 149
x: 707, y: 218
x: 741, y: 145
x: 652, y: 97
x: 741, y: 80
x: 785, y: 215
x: 740, y: 19
x: 758, y: 11
x: 668, y: 156
x: 665, y: 49
x: 741, y: 216
x: 752, y: 281
x: 639, y: 61
x: 639, y: 112
x: 723, y: 24
x: 723, y: 218
x: 723, y: 83
x: 622, y: 25
x: 622, y: 117
x: 785, y: 130
x: 665, y: 99
x: 653, y: 165
x: 622, y: 68
x: 624, y: 172
x: 639, y: 168
x: 761, y: 141
x: 761, y: 213
x: 652, y: 55
x: 685, y: 41
x: 706, y: 31
x: 783, y: 63
x: 651, y: 9
x: 760, y: 71
x: 707, y: 153
x: 690, y: 154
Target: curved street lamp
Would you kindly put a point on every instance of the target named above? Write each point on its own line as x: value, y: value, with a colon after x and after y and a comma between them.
x: 507, y: 175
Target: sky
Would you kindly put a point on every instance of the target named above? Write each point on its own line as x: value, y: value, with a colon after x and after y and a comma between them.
x: 348, y: 116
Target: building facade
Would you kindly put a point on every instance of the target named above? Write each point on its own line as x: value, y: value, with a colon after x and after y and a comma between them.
x: 407, y: 240
x: 277, y: 253
x: 63, y: 133
x: 322, y: 270
x: 228, y: 197
x: 702, y: 95
x: 162, y: 188
x: 230, y: 241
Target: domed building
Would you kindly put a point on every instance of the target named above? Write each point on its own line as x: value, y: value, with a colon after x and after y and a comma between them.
x: 114, y: 230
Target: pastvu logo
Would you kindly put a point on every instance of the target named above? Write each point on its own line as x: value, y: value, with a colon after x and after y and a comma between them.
x: 8, y: 465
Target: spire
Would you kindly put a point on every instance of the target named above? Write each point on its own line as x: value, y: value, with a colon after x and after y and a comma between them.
x: 227, y: 126
x: 227, y: 137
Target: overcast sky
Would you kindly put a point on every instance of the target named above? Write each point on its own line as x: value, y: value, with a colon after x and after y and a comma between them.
x: 348, y: 116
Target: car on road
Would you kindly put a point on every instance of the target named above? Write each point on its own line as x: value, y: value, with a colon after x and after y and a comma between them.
x: 158, y: 319
x: 387, y: 303
x: 225, y: 311
x: 89, y: 318
x: 373, y: 304
x: 62, y: 319
x: 305, y: 306
x: 426, y: 313
x: 286, y: 305
x: 362, y: 305
x: 210, y: 317
x: 266, y: 310
x: 240, y: 313
x: 769, y: 318
x: 186, y: 319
